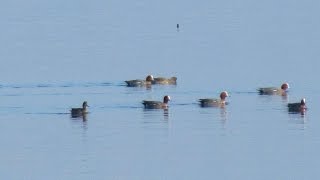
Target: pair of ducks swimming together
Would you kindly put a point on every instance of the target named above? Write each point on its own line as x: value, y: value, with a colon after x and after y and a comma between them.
x: 151, y: 80
x: 282, y: 91
x: 206, y: 102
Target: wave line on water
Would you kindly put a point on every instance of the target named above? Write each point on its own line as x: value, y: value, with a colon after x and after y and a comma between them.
x: 59, y: 85
x: 120, y: 107
x: 46, y: 113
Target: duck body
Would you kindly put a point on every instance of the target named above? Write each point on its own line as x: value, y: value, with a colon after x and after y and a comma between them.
x: 213, y: 102
x: 149, y: 104
x: 274, y: 90
x: 139, y: 83
x: 271, y: 91
x: 162, y: 80
x: 298, y: 107
x: 77, y: 112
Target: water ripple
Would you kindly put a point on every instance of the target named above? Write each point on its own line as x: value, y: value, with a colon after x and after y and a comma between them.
x: 60, y: 85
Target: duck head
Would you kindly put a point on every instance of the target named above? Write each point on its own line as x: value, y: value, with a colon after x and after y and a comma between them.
x: 285, y: 86
x: 166, y: 99
x: 223, y: 95
x: 149, y: 78
x: 85, y: 105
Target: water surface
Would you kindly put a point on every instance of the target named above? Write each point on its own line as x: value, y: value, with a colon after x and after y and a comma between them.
x: 57, y: 54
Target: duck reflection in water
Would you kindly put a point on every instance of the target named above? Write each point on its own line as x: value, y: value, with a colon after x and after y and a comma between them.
x: 155, y: 113
x: 285, y: 98
x: 166, y: 114
x: 83, y: 117
x: 223, y: 116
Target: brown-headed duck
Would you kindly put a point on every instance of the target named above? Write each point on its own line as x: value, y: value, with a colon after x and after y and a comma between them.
x: 274, y: 90
x: 157, y: 104
x: 215, y: 102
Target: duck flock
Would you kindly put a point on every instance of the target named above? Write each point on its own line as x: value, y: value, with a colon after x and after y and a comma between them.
x: 298, y: 107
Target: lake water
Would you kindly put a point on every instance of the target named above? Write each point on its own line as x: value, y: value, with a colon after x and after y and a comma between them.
x: 56, y: 54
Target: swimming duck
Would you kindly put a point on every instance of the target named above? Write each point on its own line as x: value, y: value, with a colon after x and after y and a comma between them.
x: 157, y: 104
x: 298, y: 107
x: 76, y: 112
x: 274, y: 90
x: 139, y: 82
x: 215, y: 102
x: 162, y: 80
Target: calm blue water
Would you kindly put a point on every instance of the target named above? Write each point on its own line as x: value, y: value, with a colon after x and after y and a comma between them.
x: 56, y: 54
